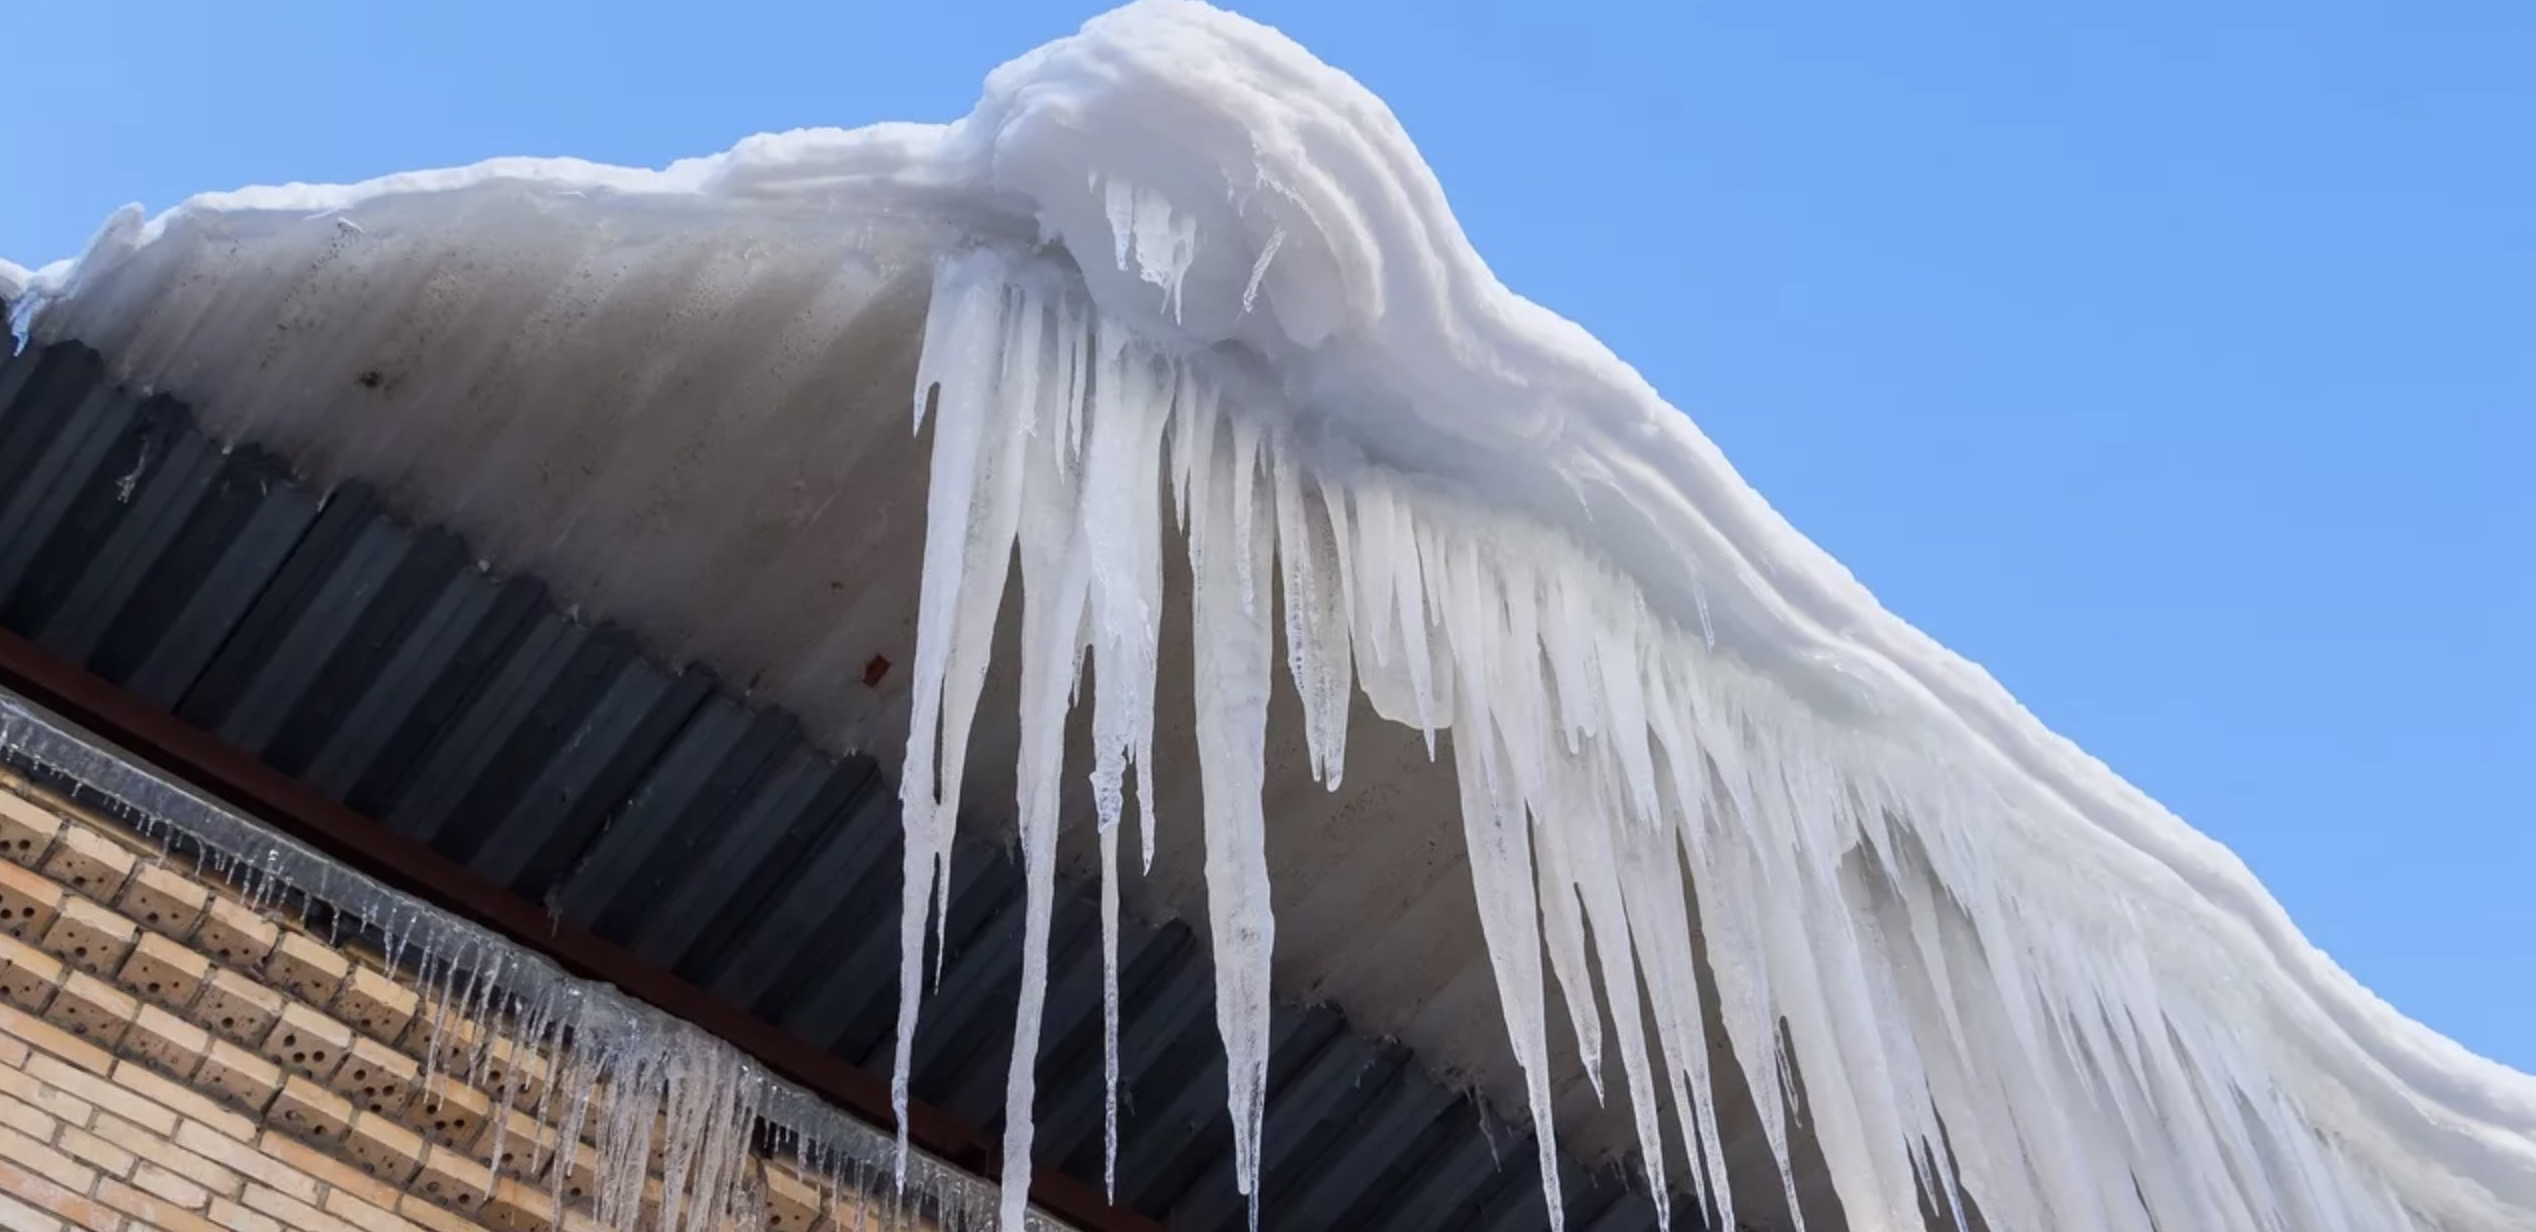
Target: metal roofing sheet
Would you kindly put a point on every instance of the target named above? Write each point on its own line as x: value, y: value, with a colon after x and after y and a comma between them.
x: 381, y: 665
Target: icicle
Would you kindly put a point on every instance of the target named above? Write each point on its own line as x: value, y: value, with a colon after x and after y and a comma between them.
x: 1232, y: 638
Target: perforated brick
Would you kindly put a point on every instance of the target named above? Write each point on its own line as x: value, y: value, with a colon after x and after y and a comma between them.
x: 90, y: 937
x: 162, y: 972
x: 793, y: 1204
x: 28, y: 902
x: 165, y: 1042
x: 524, y: 1148
x: 377, y: 1078
x: 516, y: 1207
x: 87, y: 862
x: 27, y: 830
x: 376, y: 1005
x: 233, y: 936
x: 306, y: 1042
x: 162, y: 900
x: 451, y: 1179
x: 239, y: 1077
x: 237, y: 1008
x: 28, y: 975
x: 302, y: 966
x: 384, y: 1149
x: 490, y: 1057
x: 451, y: 1115
x: 92, y: 1009
x: 310, y: 1111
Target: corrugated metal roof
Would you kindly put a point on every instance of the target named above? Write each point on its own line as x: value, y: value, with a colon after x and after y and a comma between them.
x: 380, y: 664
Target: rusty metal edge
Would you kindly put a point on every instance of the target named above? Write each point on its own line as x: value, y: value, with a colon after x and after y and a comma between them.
x: 363, y: 843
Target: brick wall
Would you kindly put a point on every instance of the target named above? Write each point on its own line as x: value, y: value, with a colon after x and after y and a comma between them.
x: 172, y: 1058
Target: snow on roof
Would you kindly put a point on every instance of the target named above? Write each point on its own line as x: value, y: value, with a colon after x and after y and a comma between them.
x: 1176, y: 251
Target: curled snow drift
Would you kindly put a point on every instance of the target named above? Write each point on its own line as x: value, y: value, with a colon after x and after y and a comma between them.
x: 1181, y: 270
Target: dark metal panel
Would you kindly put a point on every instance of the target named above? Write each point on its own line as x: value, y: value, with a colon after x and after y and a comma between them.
x: 266, y: 627
x: 850, y: 861
x: 636, y: 716
x: 169, y: 498
x: 711, y: 899
x: 501, y: 736
x: 234, y: 573
x: 426, y: 690
x: 1451, y: 1180
x: 422, y: 569
x: 691, y: 793
x: 34, y: 507
x: 380, y: 666
x: 1360, y: 1150
x: 87, y: 505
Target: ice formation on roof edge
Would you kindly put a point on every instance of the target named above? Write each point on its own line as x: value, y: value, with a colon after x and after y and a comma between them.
x: 659, y: 1070
x: 1958, y: 920
x: 1257, y: 224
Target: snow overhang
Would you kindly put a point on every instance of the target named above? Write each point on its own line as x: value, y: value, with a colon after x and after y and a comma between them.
x: 1175, y: 251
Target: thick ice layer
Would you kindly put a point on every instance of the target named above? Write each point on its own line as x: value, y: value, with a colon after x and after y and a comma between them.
x: 1176, y: 252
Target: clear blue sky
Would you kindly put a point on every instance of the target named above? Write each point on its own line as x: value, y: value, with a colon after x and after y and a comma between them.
x: 2177, y: 361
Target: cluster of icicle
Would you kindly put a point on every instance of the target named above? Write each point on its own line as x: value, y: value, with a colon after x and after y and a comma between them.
x: 650, y: 1093
x: 1609, y: 763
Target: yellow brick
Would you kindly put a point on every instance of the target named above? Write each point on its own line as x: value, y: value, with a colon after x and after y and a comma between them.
x: 90, y: 937
x: 385, y: 1150
x: 95, y: 1152
x: 28, y: 1119
x: 244, y: 1159
x: 419, y: 1209
x: 303, y: 1216
x: 46, y: 1162
x: 182, y: 1099
x: 163, y: 900
x: 102, y: 1093
x: 239, y: 1076
x: 164, y: 1042
x: 168, y: 1186
x: 302, y: 966
x: 235, y: 936
x: 376, y: 1005
x: 515, y: 1207
x: 93, y: 1010
x: 28, y: 903
x: 164, y: 972
x: 368, y: 1215
x: 162, y: 1151
x: 235, y: 1007
x: 28, y: 975
x: 167, y: 1211
x: 19, y: 1217
x: 450, y: 1114
x: 452, y: 1180
x: 237, y: 1218
x: 524, y: 1147
x: 793, y: 1204
x: 89, y: 863
x: 26, y: 830
x: 71, y: 1205
x: 305, y: 1041
x: 46, y: 1038
x: 310, y: 1111
x: 378, y: 1079
x: 62, y: 1106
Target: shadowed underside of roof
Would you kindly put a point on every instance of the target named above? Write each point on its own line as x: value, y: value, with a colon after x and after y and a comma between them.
x: 385, y: 667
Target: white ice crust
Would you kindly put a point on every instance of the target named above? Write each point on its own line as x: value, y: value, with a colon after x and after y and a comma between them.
x: 1177, y: 251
